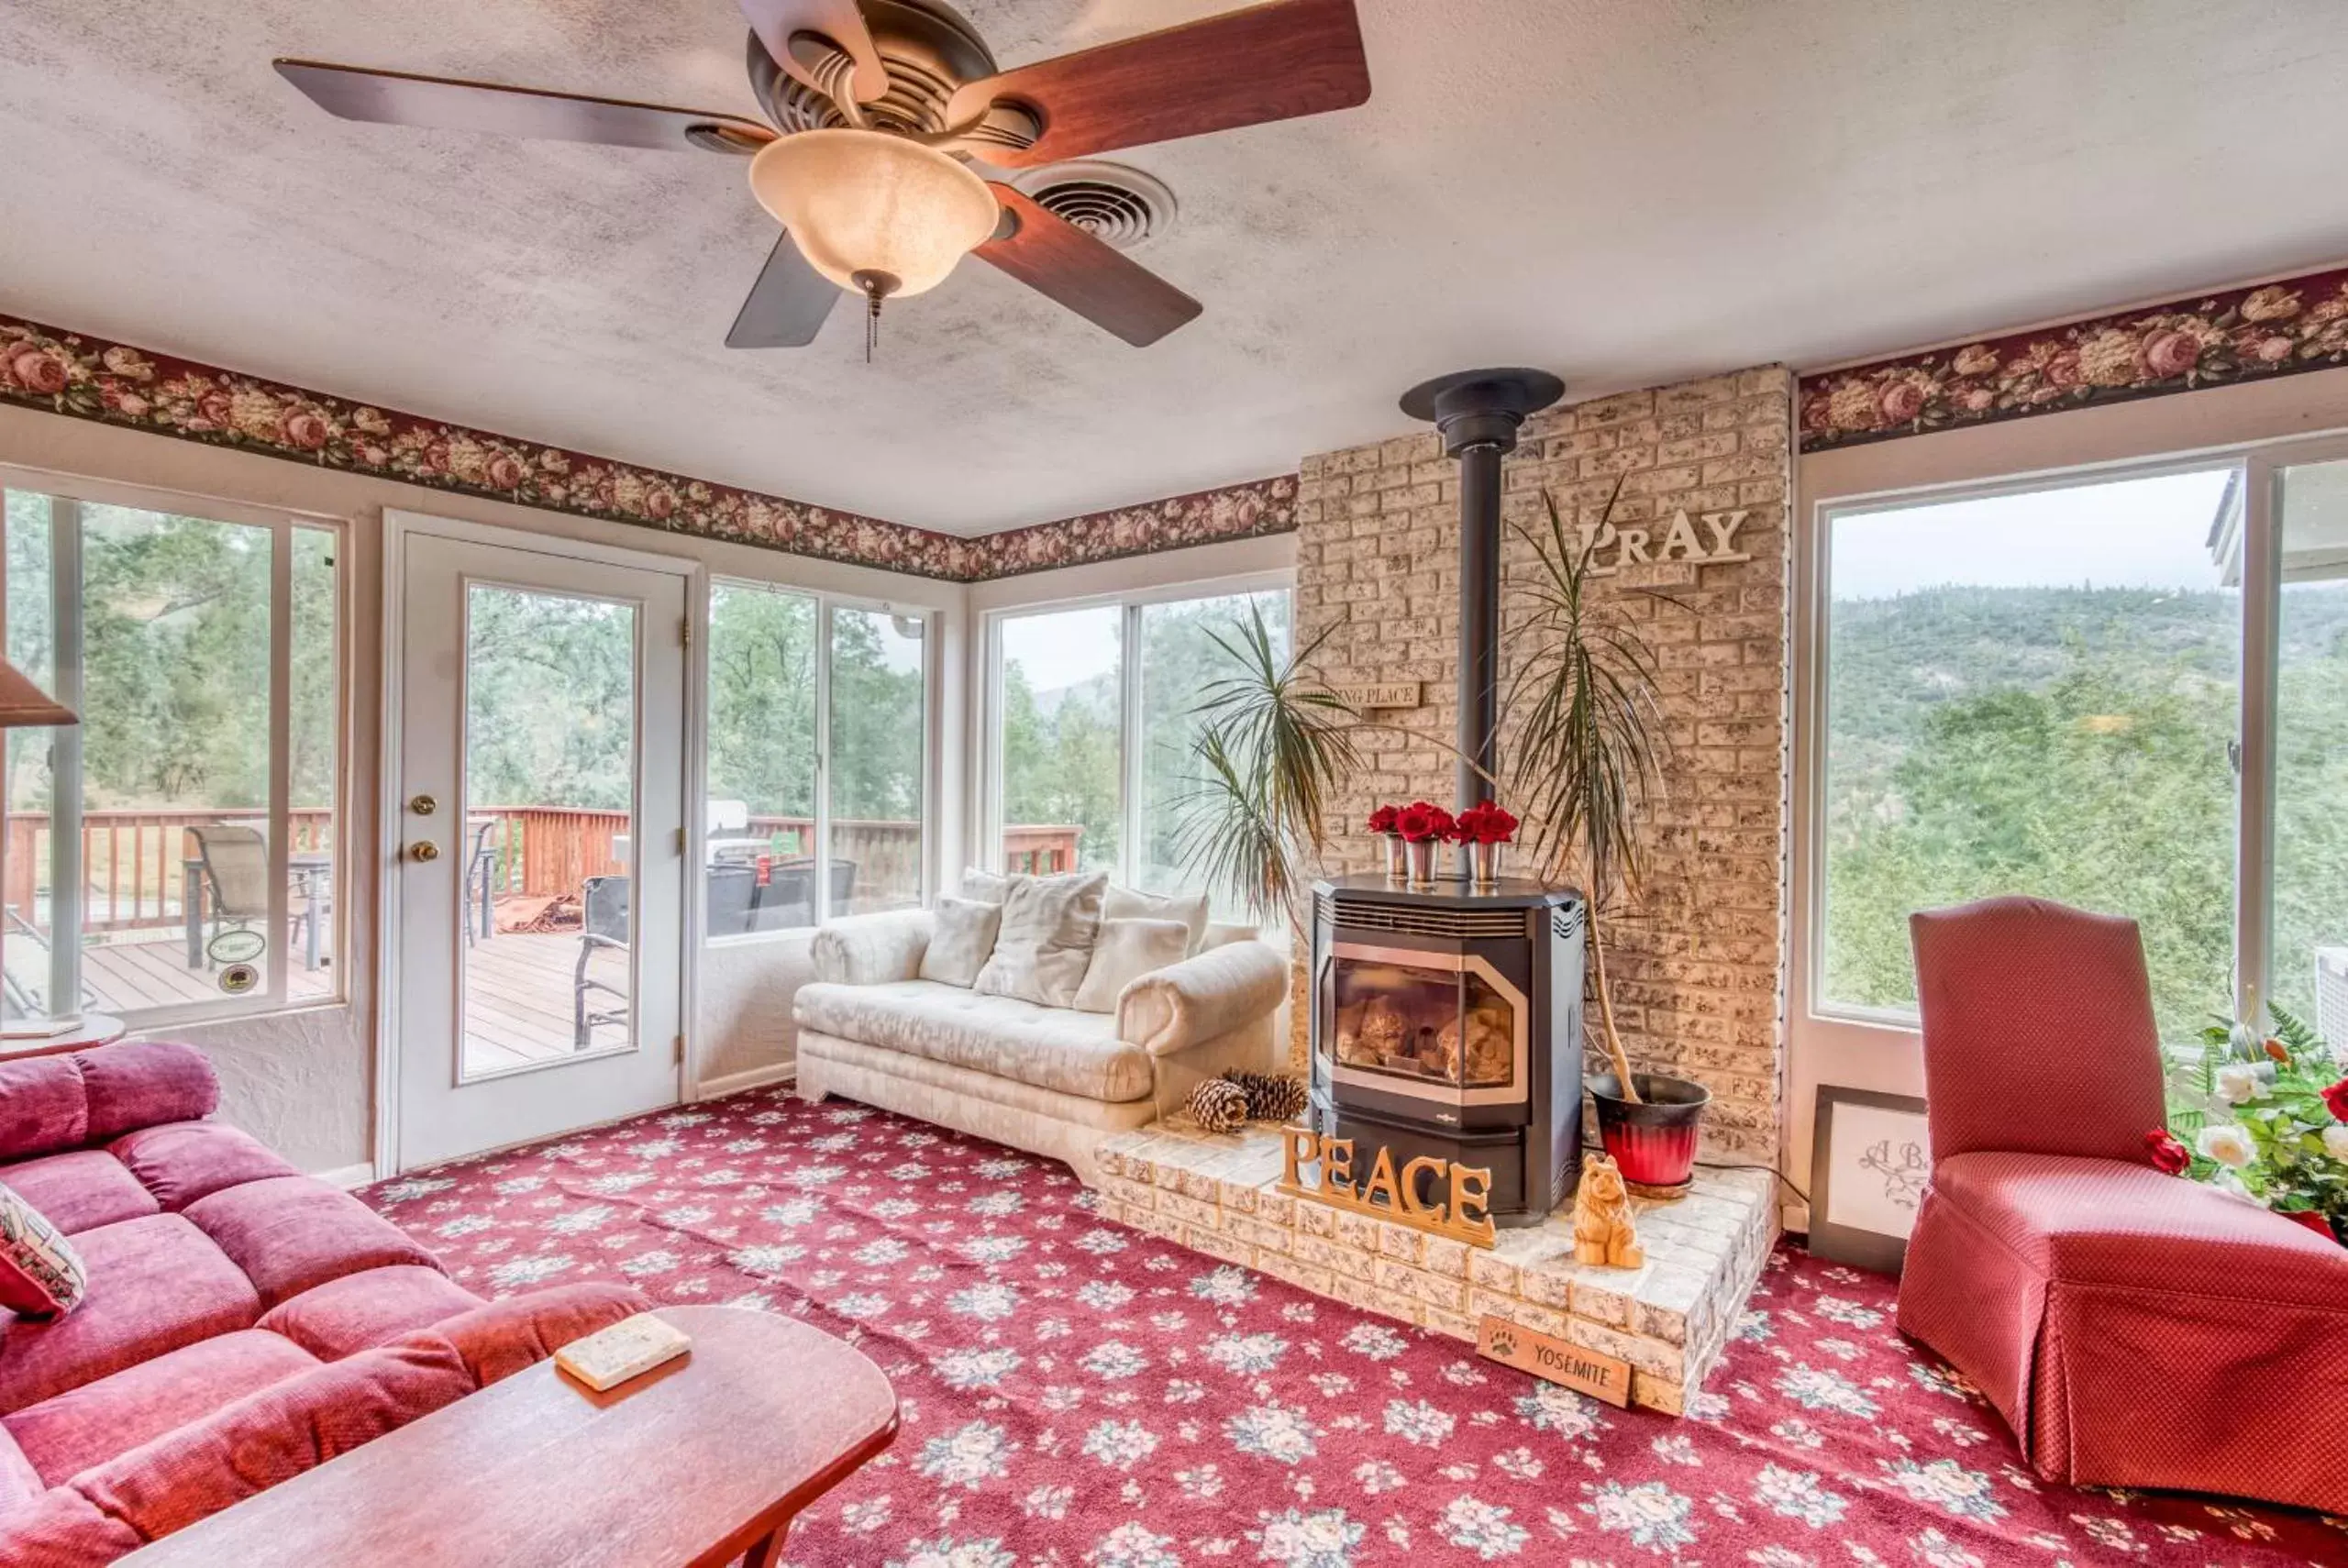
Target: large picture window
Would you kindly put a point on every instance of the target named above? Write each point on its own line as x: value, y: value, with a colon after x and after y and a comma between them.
x: 2120, y: 694
x: 177, y: 853
x: 1094, y: 710
x: 818, y: 727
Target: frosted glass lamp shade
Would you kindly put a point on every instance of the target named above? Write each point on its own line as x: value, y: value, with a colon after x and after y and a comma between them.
x: 860, y: 200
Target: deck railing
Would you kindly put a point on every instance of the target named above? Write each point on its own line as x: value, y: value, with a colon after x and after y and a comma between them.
x: 133, y: 861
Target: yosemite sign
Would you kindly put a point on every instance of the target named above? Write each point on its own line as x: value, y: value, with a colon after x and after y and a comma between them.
x: 1708, y: 539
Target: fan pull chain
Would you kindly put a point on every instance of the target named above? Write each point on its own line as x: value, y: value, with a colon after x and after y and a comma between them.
x: 877, y: 286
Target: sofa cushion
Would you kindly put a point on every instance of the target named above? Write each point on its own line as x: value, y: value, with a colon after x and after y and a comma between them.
x: 960, y: 941
x: 1045, y: 939
x: 40, y: 1271
x: 1190, y: 909
x: 1053, y: 1048
x: 289, y: 1233
x: 49, y: 1104
x: 2103, y: 1222
x: 360, y: 1311
x: 180, y: 1161
x: 988, y: 887
x: 19, y: 1482
x: 80, y: 1191
x: 67, y: 1434
x: 156, y: 1283
x: 1124, y: 952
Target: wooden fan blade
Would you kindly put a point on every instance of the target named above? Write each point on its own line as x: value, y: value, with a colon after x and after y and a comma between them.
x: 438, y: 102
x: 775, y: 21
x: 1268, y: 63
x: 1064, y: 263
x: 787, y: 304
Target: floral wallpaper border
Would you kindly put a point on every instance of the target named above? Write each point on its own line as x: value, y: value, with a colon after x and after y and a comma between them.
x: 1202, y: 517
x: 2208, y: 340
x: 85, y: 377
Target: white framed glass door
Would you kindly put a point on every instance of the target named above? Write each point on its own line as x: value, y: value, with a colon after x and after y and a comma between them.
x: 542, y: 873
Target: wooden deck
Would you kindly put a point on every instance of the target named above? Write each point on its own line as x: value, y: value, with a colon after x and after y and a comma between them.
x: 517, y: 989
x: 518, y: 999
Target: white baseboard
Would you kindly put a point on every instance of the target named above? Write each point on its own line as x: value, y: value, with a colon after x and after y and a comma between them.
x: 756, y: 1077
x: 346, y: 1176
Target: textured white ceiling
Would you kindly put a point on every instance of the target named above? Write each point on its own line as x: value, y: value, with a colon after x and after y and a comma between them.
x: 1624, y: 191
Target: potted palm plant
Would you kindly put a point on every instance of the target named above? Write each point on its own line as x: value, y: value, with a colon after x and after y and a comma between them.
x: 1273, y: 750
x: 1589, y: 745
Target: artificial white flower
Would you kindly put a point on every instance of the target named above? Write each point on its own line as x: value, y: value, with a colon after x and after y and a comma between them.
x: 2228, y: 1144
x: 2239, y: 1084
x: 2335, y: 1141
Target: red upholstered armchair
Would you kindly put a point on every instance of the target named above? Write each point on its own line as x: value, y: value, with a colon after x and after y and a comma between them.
x: 2134, y: 1329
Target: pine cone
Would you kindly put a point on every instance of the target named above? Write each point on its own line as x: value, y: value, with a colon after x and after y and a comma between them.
x: 1271, y: 1097
x: 1219, y: 1106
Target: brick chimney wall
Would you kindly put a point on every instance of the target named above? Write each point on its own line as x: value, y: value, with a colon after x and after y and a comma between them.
x: 1698, y: 964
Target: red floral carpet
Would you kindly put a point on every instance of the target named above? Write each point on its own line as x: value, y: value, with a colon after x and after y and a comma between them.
x: 1078, y: 1395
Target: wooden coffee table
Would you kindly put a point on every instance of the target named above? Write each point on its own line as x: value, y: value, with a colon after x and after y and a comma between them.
x: 691, y: 1465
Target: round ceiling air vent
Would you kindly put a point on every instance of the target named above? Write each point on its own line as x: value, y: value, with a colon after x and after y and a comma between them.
x: 1121, y: 205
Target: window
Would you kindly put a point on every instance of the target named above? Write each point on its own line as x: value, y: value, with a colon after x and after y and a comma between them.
x: 2128, y: 695
x: 176, y: 853
x: 2310, y: 790
x: 1095, y: 710
x: 775, y: 808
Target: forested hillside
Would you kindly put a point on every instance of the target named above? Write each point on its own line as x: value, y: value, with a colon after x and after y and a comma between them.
x: 2073, y: 743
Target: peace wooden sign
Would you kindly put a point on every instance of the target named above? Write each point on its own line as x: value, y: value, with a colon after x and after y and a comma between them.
x: 1427, y: 1194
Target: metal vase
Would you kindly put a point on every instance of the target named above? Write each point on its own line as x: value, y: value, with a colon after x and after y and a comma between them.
x: 1419, y: 855
x: 1484, y: 865
x: 1395, y: 865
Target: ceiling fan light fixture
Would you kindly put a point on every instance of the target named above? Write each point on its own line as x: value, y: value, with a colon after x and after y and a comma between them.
x: 863, y: 201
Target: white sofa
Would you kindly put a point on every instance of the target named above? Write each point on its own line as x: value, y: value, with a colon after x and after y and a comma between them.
x: 1051, y: 1081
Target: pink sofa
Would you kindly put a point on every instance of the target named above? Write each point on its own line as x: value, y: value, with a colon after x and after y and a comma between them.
x: 2134, y: 1329
x: 242, y: 1322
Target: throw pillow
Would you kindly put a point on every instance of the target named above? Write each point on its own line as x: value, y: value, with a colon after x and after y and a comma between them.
x: 41, y: 1273
x: 961, y: 937
x: 1124, y: 952
x: 1126, y: 903
x: 1045, y: 939
x: 988, y: 887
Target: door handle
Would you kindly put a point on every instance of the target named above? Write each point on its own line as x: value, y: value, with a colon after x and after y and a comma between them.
x: 423, y: 805
x: 425, y: 851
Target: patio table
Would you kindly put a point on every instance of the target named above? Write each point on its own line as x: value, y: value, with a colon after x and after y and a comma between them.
x: 314, y: 868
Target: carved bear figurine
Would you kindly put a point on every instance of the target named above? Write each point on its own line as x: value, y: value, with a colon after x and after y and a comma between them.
x: 1603, y: 1232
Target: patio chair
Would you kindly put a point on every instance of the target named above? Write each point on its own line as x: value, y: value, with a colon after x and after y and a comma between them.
x: 235, y: 865
x: 732, y: 897
x: 788, y: 900
x: 2071, y: 1282
x: 604, y: 923
x: 481, y: 868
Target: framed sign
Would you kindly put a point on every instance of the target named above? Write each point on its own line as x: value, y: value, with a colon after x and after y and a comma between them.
x: 1870, y: 1159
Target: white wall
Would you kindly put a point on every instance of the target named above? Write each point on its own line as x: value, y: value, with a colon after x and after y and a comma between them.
x: 1828, y: 1050
x: 303, y: 1081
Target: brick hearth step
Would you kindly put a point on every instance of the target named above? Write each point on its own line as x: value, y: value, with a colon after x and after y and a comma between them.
x: 1217, y: 1194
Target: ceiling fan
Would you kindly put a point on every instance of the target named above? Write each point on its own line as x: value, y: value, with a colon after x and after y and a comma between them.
x: 879, y: 108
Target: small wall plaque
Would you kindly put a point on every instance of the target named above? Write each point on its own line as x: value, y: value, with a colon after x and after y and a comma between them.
x: 1393, y: 694
x: 1555, y: 1360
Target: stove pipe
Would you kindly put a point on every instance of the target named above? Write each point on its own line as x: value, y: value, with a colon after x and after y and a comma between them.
x: 1477, y: 413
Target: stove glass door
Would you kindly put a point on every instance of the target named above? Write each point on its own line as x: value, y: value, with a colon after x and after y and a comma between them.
x: 1436, y: 1025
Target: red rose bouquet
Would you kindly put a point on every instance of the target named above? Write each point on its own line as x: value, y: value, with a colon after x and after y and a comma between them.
x: 1382, y: 819
x: 1484, y: 823
x: 1419, y: 822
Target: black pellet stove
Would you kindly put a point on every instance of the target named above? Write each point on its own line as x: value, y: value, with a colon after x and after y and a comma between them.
x: 1446, y: 1022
